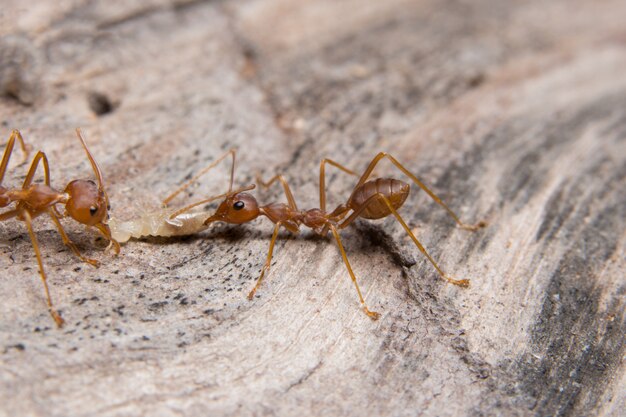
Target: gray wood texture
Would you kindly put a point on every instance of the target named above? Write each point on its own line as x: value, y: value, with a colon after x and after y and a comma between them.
x: 514, y: 112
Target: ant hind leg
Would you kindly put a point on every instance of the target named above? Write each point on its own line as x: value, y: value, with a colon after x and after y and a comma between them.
x: 460, y: 282
x: 381, y: 155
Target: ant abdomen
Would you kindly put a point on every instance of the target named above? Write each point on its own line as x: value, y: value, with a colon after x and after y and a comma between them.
x: 395, y: 191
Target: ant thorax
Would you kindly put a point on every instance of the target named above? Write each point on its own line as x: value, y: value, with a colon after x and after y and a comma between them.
x: 278, y: 212
x: 40, y: 196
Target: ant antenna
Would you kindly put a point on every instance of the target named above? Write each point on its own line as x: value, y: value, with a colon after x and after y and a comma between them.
x: 206, y: 169
x: 213, y: 198
x: 94, y: 164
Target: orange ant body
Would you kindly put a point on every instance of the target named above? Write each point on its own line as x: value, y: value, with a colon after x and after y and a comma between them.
x: 84, y: 201
x: 373, y: 199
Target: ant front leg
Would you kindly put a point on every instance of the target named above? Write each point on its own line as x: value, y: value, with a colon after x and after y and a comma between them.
x: 460, y: 282
x: 39, y: 157
x: 15, y: 134
x: 268, y: 262
x: 68, y: 242
x: 28, y: 220
x: 381, y: 155
x: 290, y: 200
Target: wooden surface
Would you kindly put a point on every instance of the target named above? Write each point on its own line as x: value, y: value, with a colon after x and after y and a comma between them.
x: 514, y: 112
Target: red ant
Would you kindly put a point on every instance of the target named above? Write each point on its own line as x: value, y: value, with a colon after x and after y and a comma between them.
x: 84, y: 200
x: 373, y: 199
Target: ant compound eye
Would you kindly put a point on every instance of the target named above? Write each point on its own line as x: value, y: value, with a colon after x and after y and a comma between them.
x: 93, y: 210
x: 238, y: 205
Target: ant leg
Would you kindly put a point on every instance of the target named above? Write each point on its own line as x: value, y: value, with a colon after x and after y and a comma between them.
x: 105, y: 231
x: 68, y: 242
x: 206, y: 169
x: 9, y: 214
x: 39, y: 157
x: 15, y: 134
x: 420, y: 184
x: 372, y: 314
x: 283, y: 181
x: 55, y: 315
x: 323, y: 179
x: 460, y: 282
x: 266, y: 267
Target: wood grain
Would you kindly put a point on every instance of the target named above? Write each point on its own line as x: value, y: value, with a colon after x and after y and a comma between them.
x: 514, y: 112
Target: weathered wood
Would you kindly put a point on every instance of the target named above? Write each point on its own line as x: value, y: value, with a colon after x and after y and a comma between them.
x: 514, y: 112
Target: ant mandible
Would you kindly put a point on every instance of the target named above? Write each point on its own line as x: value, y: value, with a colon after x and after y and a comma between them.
x: 370, y: 199
x: 84, y: 200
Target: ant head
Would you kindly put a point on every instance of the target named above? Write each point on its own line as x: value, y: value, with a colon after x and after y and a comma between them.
x: 237, y: 208
x: 87, y: 201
